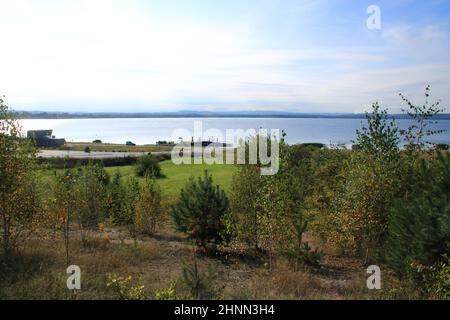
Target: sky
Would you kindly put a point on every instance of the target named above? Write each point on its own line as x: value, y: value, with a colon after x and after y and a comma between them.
x: 216, y: 55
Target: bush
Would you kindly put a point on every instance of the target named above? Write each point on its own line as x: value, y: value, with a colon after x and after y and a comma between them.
x: 303, y: 255
x: 148, y: 166
x: 166, y: 293
x: 148, y: 207
x: 419, y: 226
x: 123, y: 289
x: 116, y: 202
x: 441, y: 146
x: 434, y: 280
x: 87, y: 149
x: 200, y: 212
x: 67, y: 163
x: 199, y: 284
x: 317, y: 145
x: 19, y: 204
x: 93, y: 182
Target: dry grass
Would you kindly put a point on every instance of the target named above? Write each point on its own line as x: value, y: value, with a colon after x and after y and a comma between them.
x: 155, y: 262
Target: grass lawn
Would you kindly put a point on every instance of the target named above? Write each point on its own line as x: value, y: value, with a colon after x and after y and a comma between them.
x: 175, y: 176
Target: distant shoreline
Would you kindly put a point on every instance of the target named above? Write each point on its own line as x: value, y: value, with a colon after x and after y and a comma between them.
x: 189, y: 114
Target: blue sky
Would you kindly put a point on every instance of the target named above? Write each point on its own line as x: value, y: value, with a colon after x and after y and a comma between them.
x: 291, y: 55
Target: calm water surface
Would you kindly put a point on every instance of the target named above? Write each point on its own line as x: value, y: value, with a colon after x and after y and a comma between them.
x: 150, y: 130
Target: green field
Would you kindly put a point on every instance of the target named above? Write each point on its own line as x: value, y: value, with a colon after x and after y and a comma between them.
x: 175, y: 176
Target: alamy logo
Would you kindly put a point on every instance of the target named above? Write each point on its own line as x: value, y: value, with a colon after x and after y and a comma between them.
x: 374, y: 20
x: 252, y: 147
x: 74, y: 280
x: 374, y: 280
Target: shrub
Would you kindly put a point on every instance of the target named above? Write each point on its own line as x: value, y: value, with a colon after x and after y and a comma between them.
x: 199, y: 284
x: 166, y: 293
x: 415, y: 135
x: 245, y: 186
x: 314, y: 145
x: 434, y: 281
x: 419, y: 226
x: 303, y: 254
x: 148, y: 166
x: 380, y: 137
x: 66, y: 163
x: 87, y: 149
x: 200, y: 212
x: 93, y: 182
x: 66, y: 205
x: 123, y: 289
x: 19, y: 202
x: 148, y: 207
x: 441, y: 146
x: 361, y: 206
x: 116, y: 201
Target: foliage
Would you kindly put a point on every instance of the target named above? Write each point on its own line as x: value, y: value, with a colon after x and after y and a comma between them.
x: 18, y: 195
x: 148, y: 166
x: 419, y: 227
x: 329, y: 169
x: 148, y: 207
x: 380, y: 137
x: 362, y: 205
x: 93, y: 183
x: 434, y: 280
x: 166, y: 293
x: 200, y: 210
x: 66, y: 163
x: 245, y: 185
x: 123, y: 289
x: 441, y: 146
x: 116, y: 201
x: 303, y: 254
x: 272, y: 218
x: 372, y: 180
x: 416, y: 134
x: 66, y: 205
x: 129, y: 213
x: 200, y: 284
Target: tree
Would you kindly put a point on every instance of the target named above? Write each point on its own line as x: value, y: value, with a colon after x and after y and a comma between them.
x: 92, y: 185
x: 116, y: 201
x: 380, y: 137
x: 272, y: 207
x: 200, y: 284
x: 245, y: 185
x: 148, y: 207
x: 18, y: 196
x: 372, y: 181
x: 122, y: 201
x: 129, y: 207
x: 66, y: 205
x: 419, y: 228
x: 416, y: 134
x: 148, y: 166
x: 200, y: 211
x: 362, y: 204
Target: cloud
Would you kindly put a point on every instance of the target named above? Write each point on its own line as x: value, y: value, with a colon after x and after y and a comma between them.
x: 106, y: 55
x: 428, y: 42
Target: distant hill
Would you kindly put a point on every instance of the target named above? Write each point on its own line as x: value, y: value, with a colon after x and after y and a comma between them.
x: 198, y: 114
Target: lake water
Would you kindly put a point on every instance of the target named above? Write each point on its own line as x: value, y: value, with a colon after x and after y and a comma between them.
x: 150, y: 130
